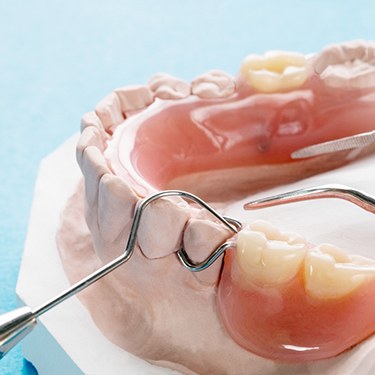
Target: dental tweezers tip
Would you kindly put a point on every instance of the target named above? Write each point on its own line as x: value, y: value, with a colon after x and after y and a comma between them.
x: 261, y: 203
x: 359, y: 198
x: 356, y: 141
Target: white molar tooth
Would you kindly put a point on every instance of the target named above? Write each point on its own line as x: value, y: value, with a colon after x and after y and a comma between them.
x: 279, y: 60
x: 275, y: 71
x: 330, y: 274
x: 265, y: 227
x: 267, y: 261
x: 273, y: 233
x: 251, y: 242
x: 291, y: 70
x: 336, y: 253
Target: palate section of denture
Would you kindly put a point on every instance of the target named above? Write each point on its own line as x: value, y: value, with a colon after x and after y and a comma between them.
x: 284, y: 299
x: 275, y: 71
x: 213, y: 84
x: 348, y: 65
x: 263, y: 122
x: 195, y: 144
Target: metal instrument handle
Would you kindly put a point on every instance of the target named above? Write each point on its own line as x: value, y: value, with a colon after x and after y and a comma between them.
x: 14, y: 326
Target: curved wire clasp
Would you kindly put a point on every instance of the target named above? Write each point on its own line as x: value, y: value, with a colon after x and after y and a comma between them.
x: 232, y: 224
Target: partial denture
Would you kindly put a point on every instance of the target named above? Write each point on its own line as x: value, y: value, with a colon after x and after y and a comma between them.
x: 288, y: 300
x: 348, y: 65
x: 229, y: 136
x: 275, y: 71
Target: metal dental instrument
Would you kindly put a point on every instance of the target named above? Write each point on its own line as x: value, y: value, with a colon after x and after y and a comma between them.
x: 16, y: 324
x: 346, y: 143
x: 359, y: 198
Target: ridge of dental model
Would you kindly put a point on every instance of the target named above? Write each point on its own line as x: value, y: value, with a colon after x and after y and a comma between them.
x: 222, y: 138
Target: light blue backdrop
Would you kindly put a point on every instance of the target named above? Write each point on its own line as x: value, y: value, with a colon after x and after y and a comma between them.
x: 59, y: 58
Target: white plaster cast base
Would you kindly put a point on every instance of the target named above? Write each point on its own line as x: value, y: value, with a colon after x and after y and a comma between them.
x: 65, y: 341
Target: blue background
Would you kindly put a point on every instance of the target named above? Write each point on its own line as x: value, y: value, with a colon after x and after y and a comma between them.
x: 59, y: 58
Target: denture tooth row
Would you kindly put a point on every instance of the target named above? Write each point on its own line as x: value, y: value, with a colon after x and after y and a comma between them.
x: 285, y: 299
x: 273, y: 276
x: 268, y: 257
x: 348, y: 65
x: 115, y: 107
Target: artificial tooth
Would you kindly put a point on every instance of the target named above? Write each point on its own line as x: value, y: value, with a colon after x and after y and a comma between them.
x: 266, y: 261
x: 275, y: 71
x: 273, y: 233
x: 329, y: 274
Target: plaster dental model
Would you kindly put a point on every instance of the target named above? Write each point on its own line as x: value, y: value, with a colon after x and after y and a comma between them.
x: 275, y: 299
